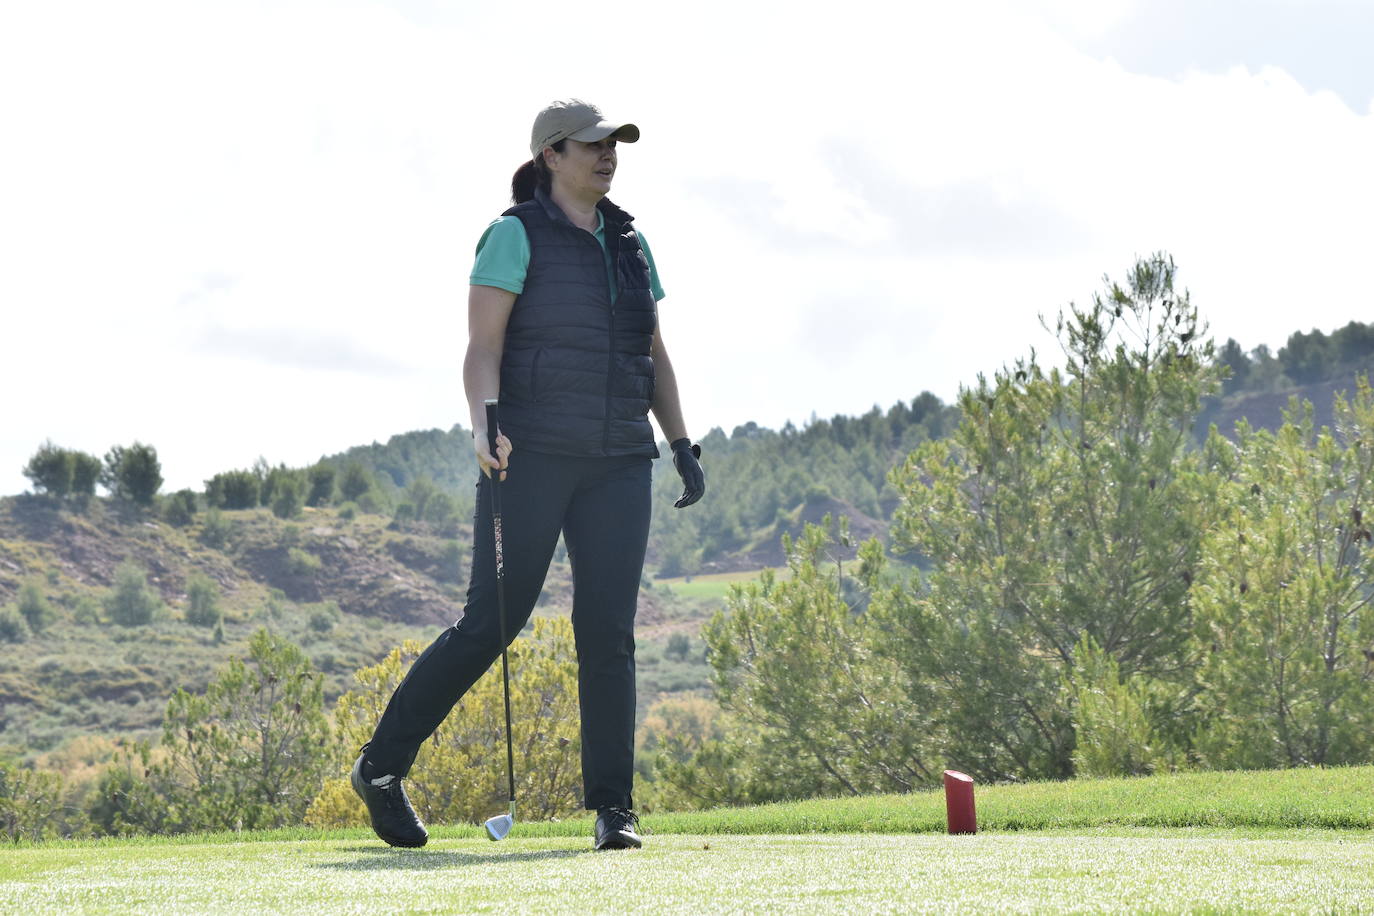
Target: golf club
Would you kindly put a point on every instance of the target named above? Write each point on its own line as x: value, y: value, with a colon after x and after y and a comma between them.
x: 499, y: 826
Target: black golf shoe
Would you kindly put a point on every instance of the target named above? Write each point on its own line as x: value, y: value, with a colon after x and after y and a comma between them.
x: 617, y: 828
x: 393, y: 819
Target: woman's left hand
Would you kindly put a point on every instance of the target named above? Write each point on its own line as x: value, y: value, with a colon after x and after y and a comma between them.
x: 685, y: 459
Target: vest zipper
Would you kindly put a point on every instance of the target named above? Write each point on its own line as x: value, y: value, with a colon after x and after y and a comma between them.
x: 610, y: 352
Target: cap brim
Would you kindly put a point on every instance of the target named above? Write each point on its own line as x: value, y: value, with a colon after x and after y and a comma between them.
x: 625, y: 133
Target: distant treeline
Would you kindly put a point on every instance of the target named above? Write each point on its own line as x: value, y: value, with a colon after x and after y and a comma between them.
x: 760, y: 481
x: 1306, y: 358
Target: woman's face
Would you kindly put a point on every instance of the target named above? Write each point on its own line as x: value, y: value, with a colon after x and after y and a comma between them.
x: 583, y: 169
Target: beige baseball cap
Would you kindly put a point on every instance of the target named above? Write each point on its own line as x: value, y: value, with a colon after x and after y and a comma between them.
x: 574, y: 119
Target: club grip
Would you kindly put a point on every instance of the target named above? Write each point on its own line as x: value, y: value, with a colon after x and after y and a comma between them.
x: 492, y: 419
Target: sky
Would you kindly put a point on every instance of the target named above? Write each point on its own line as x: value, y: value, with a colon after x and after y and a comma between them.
x: 243, y: 229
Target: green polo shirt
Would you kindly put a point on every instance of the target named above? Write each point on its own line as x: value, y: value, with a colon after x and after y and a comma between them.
x: 503, y: 256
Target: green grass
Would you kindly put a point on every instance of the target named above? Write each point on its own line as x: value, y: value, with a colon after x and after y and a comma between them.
x: 715, y: 586
x: 1294, y: 840
x: 1164, y: 871
x: 1336, y: 798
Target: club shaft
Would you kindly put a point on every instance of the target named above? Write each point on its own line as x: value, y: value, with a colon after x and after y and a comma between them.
x: 492, y: 419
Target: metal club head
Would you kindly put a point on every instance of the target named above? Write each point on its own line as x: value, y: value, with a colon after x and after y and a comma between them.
x: 499, y: 826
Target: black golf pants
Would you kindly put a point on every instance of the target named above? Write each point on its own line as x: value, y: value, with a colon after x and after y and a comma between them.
x: 601, y: 505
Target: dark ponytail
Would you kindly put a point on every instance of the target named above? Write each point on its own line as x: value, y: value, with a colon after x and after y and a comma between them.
x: 533, y: 174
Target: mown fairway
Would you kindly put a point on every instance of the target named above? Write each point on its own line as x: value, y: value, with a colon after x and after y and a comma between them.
x: 1289, y: 841
x: 713, y: 586
x: 1171, y: 870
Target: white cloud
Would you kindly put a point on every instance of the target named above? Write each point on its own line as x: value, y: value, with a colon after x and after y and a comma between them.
x: 1086, y: 18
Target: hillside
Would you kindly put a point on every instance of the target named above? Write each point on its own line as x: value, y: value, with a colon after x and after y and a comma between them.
x: 1265, y: 409
x: 761, y: 483
x: 345, y: 589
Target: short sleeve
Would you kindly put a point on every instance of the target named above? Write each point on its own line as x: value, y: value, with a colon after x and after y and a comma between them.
x: 654, y: 285
x: 503, y: 256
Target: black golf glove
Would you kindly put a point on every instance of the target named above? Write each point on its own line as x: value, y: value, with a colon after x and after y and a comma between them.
x: 685, y: 456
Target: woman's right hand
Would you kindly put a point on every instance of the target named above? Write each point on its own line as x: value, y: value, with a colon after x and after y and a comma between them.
x: 485, y: 459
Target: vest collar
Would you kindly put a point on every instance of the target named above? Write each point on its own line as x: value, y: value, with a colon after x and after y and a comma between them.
x: 616, y: 218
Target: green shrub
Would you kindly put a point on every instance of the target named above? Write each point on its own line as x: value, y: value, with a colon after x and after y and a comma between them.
x: 63, y: 473
x: 267, y: 480
x: 355, y: 482
x: 50, y: 470
x: 348, y: 511
x: 443, y: 513
x: 179, y: 509
x: 214, y: 532
x: 131, y: 602
x: 252, y: 749
x: 202, y: 601
x: 458, y: 758
x: 288, y: 493
x: 450, y: 562
x: 12, y: 625
x: 86, y: 610
x: 372, y: 502
x: 233, y: 490
x: 28, y: 802
x: 85, y: 475
x: 34, y: 606
x: 301, y: 563
x: 420, y: 494
x: 1113, y: 734
x: 125, y: 801
x: 274, y: 611
x: 133, y: 473
x: 324, y: 616
x: 679, y: 644
x: 321, y: 491
x: 424, y: 501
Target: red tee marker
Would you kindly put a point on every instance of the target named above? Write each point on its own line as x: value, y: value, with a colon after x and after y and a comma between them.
x: 959, y: 802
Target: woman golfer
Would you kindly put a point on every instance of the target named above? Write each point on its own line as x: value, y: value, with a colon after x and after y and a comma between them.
x: 562, y: 323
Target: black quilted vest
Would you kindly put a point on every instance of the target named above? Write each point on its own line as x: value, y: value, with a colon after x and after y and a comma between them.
x: 576, y: 375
